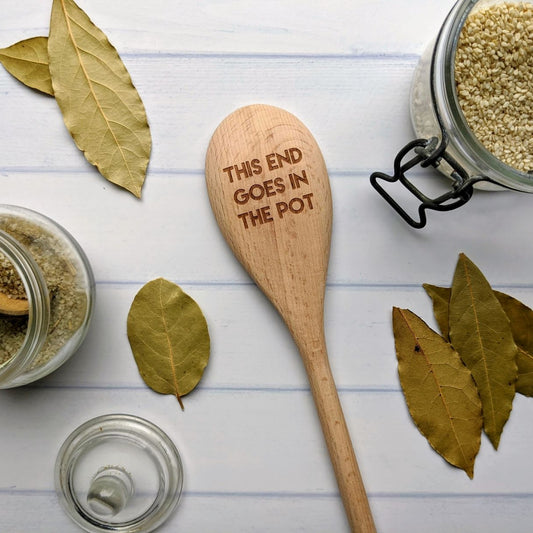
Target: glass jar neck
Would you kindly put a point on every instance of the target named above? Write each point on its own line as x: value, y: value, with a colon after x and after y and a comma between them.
x: 38, y: 312
x: 446, y: 103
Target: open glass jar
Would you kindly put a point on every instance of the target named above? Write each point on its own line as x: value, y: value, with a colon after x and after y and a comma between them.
x: 46, y: 296
x: 445, y: 140
x: 119, y: 472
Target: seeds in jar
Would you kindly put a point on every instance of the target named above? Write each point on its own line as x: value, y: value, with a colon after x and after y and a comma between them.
x: 68, y: 299
x: 494, y: 80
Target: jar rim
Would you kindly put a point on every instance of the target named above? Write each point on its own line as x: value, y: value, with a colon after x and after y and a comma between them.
x: 38, y: 303
x: 450, y: 114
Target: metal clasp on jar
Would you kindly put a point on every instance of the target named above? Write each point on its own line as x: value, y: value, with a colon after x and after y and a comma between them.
x: 427, y: 152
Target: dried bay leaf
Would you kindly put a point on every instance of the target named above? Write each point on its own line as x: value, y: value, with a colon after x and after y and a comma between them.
x: 524, y: 383
x: 440, y: 296
x: 521, y: 321
x: 169, y: 338
x: 521, y: 318
x: 439, y: 390
x: 101, y: 108
x: 28, y: 62
x: 481, y: 333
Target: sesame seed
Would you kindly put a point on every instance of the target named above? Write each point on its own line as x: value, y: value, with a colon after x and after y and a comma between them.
x: 494, y: 74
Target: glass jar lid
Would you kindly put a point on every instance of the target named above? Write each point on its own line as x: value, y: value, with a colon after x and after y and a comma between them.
x: 118, y: 473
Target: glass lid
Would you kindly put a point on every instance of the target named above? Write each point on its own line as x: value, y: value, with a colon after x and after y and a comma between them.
x: 118, y: 473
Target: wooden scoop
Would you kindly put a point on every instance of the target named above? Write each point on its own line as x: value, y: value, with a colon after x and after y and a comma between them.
x: 269, y: 190
x: 13, y: 306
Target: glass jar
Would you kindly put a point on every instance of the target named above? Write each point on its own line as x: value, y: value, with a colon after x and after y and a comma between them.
x: 119, y: 472
x: 55, y: 284
x: 445, y: 141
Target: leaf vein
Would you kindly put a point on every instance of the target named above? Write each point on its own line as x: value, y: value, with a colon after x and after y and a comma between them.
x: 68, y: 20
x: 170, y: 348
x: 480, y: 339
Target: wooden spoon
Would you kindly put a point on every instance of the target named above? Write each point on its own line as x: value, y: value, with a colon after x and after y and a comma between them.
x: 13, y: 306
x: 269, y: 190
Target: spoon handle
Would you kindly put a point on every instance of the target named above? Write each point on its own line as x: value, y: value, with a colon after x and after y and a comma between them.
x: 338, y: 440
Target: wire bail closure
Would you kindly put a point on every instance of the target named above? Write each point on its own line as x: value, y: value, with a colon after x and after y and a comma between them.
x: 428, y: 152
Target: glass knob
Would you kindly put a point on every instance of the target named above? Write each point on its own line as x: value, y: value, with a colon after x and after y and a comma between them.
x: 110, y: 490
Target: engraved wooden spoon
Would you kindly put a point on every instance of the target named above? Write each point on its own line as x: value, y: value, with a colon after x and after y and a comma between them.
x: 270, y: 193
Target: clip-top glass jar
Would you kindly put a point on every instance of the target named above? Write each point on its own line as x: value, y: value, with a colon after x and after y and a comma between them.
x: 46, y: 296
x: 445, y: 140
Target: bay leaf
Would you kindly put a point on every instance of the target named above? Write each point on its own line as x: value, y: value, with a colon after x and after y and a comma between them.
x: 481, y: 333
x: 169, y: 338
x: 28, y: 62
x: 439, y: 390
x: 521, y: 320
x: 440, y: 296
x: 101, y: 108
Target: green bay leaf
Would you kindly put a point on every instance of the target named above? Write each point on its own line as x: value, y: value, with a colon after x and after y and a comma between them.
x: 439, y: 390
x: 101, y: 108
x: 169, y: 338
x: 481, y: 333
x: 28, y: 62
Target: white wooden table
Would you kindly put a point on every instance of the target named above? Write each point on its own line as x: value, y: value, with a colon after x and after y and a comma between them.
x: 250, y: 440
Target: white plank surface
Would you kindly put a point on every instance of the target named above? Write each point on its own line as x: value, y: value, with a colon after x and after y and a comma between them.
x: 250, y: 441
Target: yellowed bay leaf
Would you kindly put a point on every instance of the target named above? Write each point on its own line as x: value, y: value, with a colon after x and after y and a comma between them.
x: 169, y: 338
x: 28, y: 62
x: 521, y: 321
x: 440, y: 296
x: 480, y: 331
x: 439, y: 390
x: 101, y: 108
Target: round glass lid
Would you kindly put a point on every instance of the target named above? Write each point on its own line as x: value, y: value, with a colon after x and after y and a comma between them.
x: 118, y: 473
